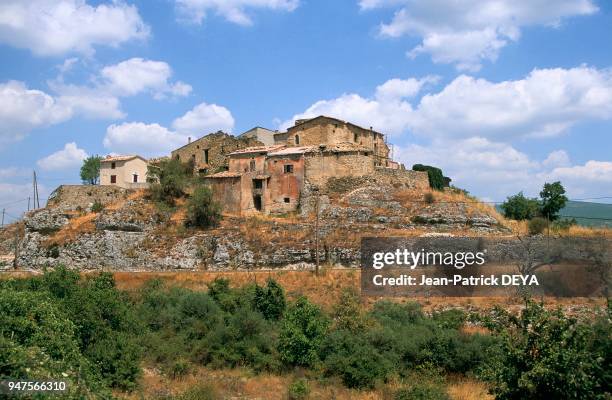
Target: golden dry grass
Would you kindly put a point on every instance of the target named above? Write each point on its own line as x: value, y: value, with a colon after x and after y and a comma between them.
x: 468, y: 389
x: 75, y: 227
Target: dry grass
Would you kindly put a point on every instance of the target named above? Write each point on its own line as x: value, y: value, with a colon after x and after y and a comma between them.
x: 468, y: 389
x: 70, y: 232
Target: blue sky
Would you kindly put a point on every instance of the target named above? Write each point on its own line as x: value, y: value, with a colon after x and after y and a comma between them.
x: 502, y: 96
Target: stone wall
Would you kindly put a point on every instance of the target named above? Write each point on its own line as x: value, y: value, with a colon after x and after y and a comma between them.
x: 407, y: 178
x: 72, y: 197
x: 320, y: 167
x: 209, y: 153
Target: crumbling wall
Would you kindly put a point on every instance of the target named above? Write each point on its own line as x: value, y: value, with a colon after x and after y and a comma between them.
x: 320, y: 167
x: 409, y: 179
x: 227, y: 192
x: 72, y: 197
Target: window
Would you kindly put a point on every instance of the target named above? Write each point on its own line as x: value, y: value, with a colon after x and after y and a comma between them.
x: 257, y: 184
x: 206, y: 156
x: 113, y: 165
x: 287, y: 199
x: 135, y: 178
x: 252, y: 165
x: 288, y: 168
x: 113, y: 178
x: 355, y: 137
x: 297, y: 139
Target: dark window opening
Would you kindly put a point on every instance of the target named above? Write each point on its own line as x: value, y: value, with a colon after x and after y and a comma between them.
x: 135, y: 178
x: 257, y: 202
x: 206, y: 156
x: 252, y: 165
x: 355, y: 137
x: 287, y: 199
x: 113, y: 178
x: 257, y: 183
x: 297, y: 139
x: 288, y: 168
x: 113, y: 166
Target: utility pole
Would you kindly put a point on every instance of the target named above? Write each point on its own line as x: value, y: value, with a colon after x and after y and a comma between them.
x: 3, y: 211
x: 28, y: 203
x: 316, y: 189
x: 35, y: 189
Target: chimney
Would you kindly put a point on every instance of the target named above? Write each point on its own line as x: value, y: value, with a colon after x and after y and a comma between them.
x: 189, y: 140
x: 371, y: 129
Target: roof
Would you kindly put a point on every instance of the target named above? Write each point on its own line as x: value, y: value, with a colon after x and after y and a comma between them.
x: 293, y: 150
x: 225, y: 174
x: 121, y: 158
x: 257, y: 127
x: 333, y: 119
x: 203, y: 137
x: 257, y: 149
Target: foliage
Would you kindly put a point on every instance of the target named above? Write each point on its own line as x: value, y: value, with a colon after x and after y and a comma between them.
x: 421, y: 391
x: 553, y: 199
x: 90, y: 170
x: 520, y: 208
x: 168, y: 179
x: 302, y: 333
x: 298, y: 390
x: 429, y: 198
x: 202, y: 210
x: 270, y: 300
x: 547, y: 355
x: 563, y: 224
x: 537, y: 225
x: 436, y: 178
x: 96, y: 207
x: 348, y: 312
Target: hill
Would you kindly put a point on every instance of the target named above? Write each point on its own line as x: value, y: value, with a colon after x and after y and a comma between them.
x: 585, y: 213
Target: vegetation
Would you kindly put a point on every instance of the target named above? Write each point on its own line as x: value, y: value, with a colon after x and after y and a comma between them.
x: 98, y: 338
x: 202, y: 210
x: 537, y: 225
x: 437, y: 180
x: 168, y: 179
x: 90, y: 170
x: 97, y: 207
x: 519, y: 207
x: 553, y: 199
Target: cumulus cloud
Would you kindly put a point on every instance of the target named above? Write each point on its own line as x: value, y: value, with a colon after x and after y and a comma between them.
x: 204, y: 118
x: 557, y: 158
x: 137, y: 75
x: 467, y: 32
x: 149, y: 140
x: 23, y: 109
x: 55, y: 27
x: 234, y: 11
x: 69, y: 157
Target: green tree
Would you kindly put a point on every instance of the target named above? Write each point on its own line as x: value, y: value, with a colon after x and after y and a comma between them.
x: 270, y: 300
x: 168, y: 179
x: 519, y: 207
x: 202, y: 210
x: 90, y: 170
x: 437, y: 180
x: 553, y: 199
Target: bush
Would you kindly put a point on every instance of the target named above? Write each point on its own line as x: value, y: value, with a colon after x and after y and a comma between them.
x: 270, y: 301
x: 298, y: 390
x: 436, y: 178
x: 168, y: 179
x: 429, y: 198
x: 302, y: 333
x: 202, y: 210
x: 553, y: 199
x: 519, y: 207
x: 96, y: 207
x: 563, y: 224
x: 537, y: 225
x: 421, y: 391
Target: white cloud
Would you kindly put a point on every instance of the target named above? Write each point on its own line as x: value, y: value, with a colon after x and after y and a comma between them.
x: 23, y: 109
x: 55, y: 27
x: 232, y: 10
x: 557, y: 158
x: 137, y: 75
x: 467, y: 32
x: 204, y: 118
x: 69, y: 157
x: 149, y: 140
x: 12, y: 172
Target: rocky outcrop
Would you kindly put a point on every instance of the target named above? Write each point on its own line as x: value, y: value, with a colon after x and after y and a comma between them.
x: 45, y: 221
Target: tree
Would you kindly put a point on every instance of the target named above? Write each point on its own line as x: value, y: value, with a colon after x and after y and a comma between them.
x: 553, y: 199
x: 519, y: 207
x: 90, y: 170
x: 168, y: 179
x: 436, y: 178
x: 202, y: 210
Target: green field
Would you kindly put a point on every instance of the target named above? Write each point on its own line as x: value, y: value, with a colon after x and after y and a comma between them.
x: 586, y: 213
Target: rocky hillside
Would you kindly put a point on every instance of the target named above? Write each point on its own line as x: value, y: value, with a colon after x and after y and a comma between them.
x: 132, y: 233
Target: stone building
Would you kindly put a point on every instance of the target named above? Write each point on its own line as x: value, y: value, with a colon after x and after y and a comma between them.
x: 209, y: 153
x: 271, y: 179
x: 265, y: 136
x: 129, y: 172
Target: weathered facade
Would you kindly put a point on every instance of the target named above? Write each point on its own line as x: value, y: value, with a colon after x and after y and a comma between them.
x: 271, y: 179
x: 129, y: 172
x: 209, y: 153
x: 265, y: 136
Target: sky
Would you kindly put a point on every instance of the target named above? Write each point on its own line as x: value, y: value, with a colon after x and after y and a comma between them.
x: 503, y: 95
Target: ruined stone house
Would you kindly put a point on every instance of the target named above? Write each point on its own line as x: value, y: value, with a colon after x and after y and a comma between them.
x: 271, y: 179
x: 129, y: 172
x: 209, y: 153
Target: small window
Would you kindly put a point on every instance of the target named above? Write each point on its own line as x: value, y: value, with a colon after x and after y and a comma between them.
x: 113, y: 178
x: 113, y: 165
x: 257, y: 183
x: 135, y: 178
x: 287, y: 200
x: 206, y: 156
x: 288, y: 168
x: 297, y: 139
x: 355, y: 137
x: 252, y: 165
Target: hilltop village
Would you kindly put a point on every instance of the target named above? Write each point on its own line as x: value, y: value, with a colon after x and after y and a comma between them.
x: 271, y: 172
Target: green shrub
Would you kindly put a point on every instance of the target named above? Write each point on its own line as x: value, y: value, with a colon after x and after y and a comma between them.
x: 429, y: 198
x: 202, y: 210
x: 348, y: 312
x: 270, y: 300
x: 421, y: 391
x: 298, y: 390
x: 96, y: 207
x: 302, y: 333
x: 168, y: 179
x: 519, y: 207
x: 563, y: 224
x: 537, y: 225
x: 436, y: 178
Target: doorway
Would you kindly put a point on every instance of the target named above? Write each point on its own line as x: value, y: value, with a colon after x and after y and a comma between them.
x: 257, y: 202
